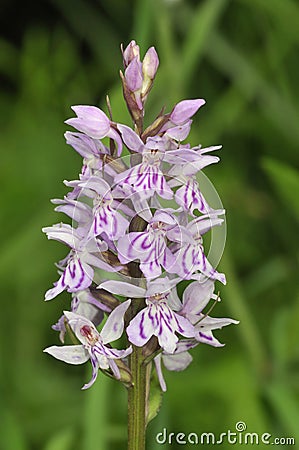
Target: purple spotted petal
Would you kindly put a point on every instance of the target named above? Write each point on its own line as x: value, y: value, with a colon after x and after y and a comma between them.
x: 107, y: 220
x: 56, y: 290
x: 140, y: 329
x: 159, y: 320
x: 190, y: 197
x: 145, y: 179
x: 184, y: 326
x: 190, y: 259
x: 95, y: 368
x: 77, y: 275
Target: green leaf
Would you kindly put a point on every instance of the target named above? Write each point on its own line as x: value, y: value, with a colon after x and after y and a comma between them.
x: 155, y: 397
x: 286, y: 182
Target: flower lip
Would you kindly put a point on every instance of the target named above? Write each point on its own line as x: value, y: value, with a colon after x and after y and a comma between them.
x: 87, y: 332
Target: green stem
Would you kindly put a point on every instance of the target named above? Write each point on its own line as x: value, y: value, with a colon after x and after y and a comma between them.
x: 137, y: 401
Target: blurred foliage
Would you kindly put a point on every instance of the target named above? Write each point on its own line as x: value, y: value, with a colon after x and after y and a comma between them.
x: 242, y: 57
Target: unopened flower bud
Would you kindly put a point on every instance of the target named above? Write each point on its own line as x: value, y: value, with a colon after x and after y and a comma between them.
x: 130, y: 52
x: 150, y: 63
x: 133, y: 75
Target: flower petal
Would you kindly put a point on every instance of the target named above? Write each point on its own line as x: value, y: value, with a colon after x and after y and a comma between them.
x: 114, y: 326
x: 90, y: 120
x: 177, y: 361
x: 71, y: 354
x: 157, y: 361
x: 197, y: 295
x: 122, y: 288
x: 184, y: 110
x: 130, y: 138
x: 95, y: 368
x: 140, y: 329
x: 78, y: 275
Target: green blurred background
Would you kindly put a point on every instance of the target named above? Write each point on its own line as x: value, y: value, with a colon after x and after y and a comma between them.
x: 242, y: 57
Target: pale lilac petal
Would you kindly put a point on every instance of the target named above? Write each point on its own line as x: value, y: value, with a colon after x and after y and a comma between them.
x: 145, y: 180
x: 180, y: 132
x: 184, y: 110
x: 113, y: 134
x: 197, y: 295
x: 98, y: 185
x: 168, y: 259
x: 114, y: 368
x: 203, y: 224
x: 202, y: 264
x: 122, y: 288
x: 184, y: 345
x: 78, y: 211
x: 130, y: 138
x: 177, y: 362
x: 157, y: 361
x: 114, y: 325
x: 186, y: 157
x: 56, y: 290
x: 165, y: 217
x: 71, y: 354
x: 160, y: 286
x: 215, y: 323
x: 84, y: 145
x: 99, y: 263
x: 63, y: 233
x: 90, y: 120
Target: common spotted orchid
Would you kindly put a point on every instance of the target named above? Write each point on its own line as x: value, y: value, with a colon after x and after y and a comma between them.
x: 139, y: 215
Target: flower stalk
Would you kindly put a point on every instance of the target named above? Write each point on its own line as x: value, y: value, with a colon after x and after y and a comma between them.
x: 137, y: 395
